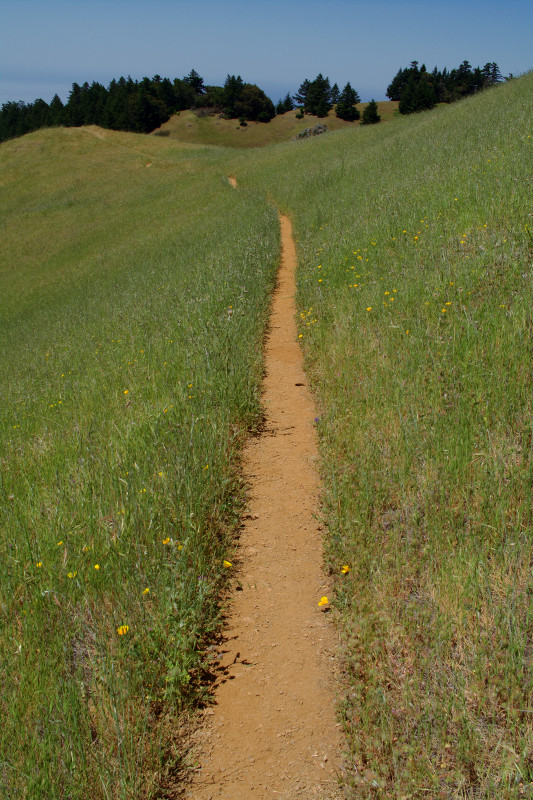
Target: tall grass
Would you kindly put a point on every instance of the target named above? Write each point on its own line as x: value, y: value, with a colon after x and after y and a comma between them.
x: 415, y: 297
x: 133, y: 302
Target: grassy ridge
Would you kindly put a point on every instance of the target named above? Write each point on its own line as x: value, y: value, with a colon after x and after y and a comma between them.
x: 213, y: 130
x: 132, y: 316
x: 415, y: 293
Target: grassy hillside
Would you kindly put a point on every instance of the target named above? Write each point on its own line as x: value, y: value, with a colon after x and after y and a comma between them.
x: 132, y: 317
x: 415, y: 293
x: 133, y: 299
x: 213, y: 130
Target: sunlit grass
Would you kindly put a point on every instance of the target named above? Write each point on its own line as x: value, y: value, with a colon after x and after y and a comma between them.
x: 214, y: 130
x: 132, y: 320
x: 415, y: 293
x: 133, y: 299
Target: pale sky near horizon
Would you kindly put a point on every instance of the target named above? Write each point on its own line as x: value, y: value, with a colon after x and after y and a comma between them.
x: 46, y: 45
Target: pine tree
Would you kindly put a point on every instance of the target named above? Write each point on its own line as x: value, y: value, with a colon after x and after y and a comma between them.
x: 288, y: 104
x: 194, y: 80
x: 232, y: 92
x: 335, y: 94
x: 370, y: 114
x: 301, y: 95
x: 318, y: 99
x: 346, y: 106
x: 55, y: 114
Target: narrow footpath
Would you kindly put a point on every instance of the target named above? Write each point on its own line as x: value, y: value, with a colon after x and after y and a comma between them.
x: 272, y: 731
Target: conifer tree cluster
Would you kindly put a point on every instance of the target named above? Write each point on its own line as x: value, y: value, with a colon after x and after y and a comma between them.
x: 318, y: 97
x: 417, y: 89
x: 137, y: 106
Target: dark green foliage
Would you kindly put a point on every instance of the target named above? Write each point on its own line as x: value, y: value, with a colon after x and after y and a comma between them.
x: 347, y: 104
x: 335, y: 94
x: 318, y: 98
x: 370, y: 114
x: 138, y: 106
x: 417, y: 89
x: 315, y: 96
x: 232, y: 92
x: 301, y: 94
x: 253, y: 104
x: 194, y: 80
x: 285, y: 105
x: 246, y: 101
x: 418, y: 95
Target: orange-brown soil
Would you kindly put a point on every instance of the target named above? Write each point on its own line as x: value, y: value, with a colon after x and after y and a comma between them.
x: 272, y: 731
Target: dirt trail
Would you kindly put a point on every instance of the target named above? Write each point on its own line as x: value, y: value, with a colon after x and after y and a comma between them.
x: 272, y: 732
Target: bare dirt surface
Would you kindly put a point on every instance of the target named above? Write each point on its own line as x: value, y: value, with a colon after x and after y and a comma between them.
x: 272, y: 731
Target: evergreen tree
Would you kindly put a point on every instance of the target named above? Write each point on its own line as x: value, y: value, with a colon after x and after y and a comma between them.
x: 55, y: 113
x: 370, y: 114
x: 74, y: 111
x: 335, y: 94
x: 184, y: 95
x: 318, y: 97
x: 346, y: 106
x: 194, y: 80
x: 301, y: 95
x: 288, y: 104
x: 232, y: 92
x: 419, y: 95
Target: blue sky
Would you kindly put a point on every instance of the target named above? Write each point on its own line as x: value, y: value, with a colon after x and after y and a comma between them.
x: 46, y: 45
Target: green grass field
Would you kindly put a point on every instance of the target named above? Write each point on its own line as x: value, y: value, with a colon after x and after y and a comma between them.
x: 214, y: 130
x: 133, y: 301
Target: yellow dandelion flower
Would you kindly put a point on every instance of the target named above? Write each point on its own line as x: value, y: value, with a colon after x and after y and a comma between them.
x: 227, y: 563
x: 126, y: 391
x: 146, y: 591
x: 369, y: 308
x: 60, y: 543
x: 72, y: 574
x: 167, y: 540
x: 323, y: 601
x: 123, y: 629
x: 345, y: 569
x: 39, y: 564
x: 97, y: 566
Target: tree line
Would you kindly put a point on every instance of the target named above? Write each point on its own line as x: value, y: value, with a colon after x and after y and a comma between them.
x: 418, y: 90
x: 319, y: 97
x: 142, y: 106
x: 137, y: 106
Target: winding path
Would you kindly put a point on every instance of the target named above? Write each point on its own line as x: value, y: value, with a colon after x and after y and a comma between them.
x: 272, y: 732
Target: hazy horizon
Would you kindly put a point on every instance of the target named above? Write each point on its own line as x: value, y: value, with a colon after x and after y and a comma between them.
x: 46, y: 46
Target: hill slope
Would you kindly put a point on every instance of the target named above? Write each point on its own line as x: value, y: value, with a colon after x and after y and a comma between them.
x: 214, y: 130
x: 415, y: 290
x: 134, y: 290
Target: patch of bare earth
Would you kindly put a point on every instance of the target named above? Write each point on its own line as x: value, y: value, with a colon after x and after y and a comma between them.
x: 272, y: 731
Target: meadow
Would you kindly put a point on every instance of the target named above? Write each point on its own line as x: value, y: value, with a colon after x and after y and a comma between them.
x: 415, y: 296
x: 132, y: 318
x: 133, y: 302
x: 189, y: 127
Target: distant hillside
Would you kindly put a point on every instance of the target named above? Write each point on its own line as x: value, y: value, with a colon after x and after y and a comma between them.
x: 188, y: 126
